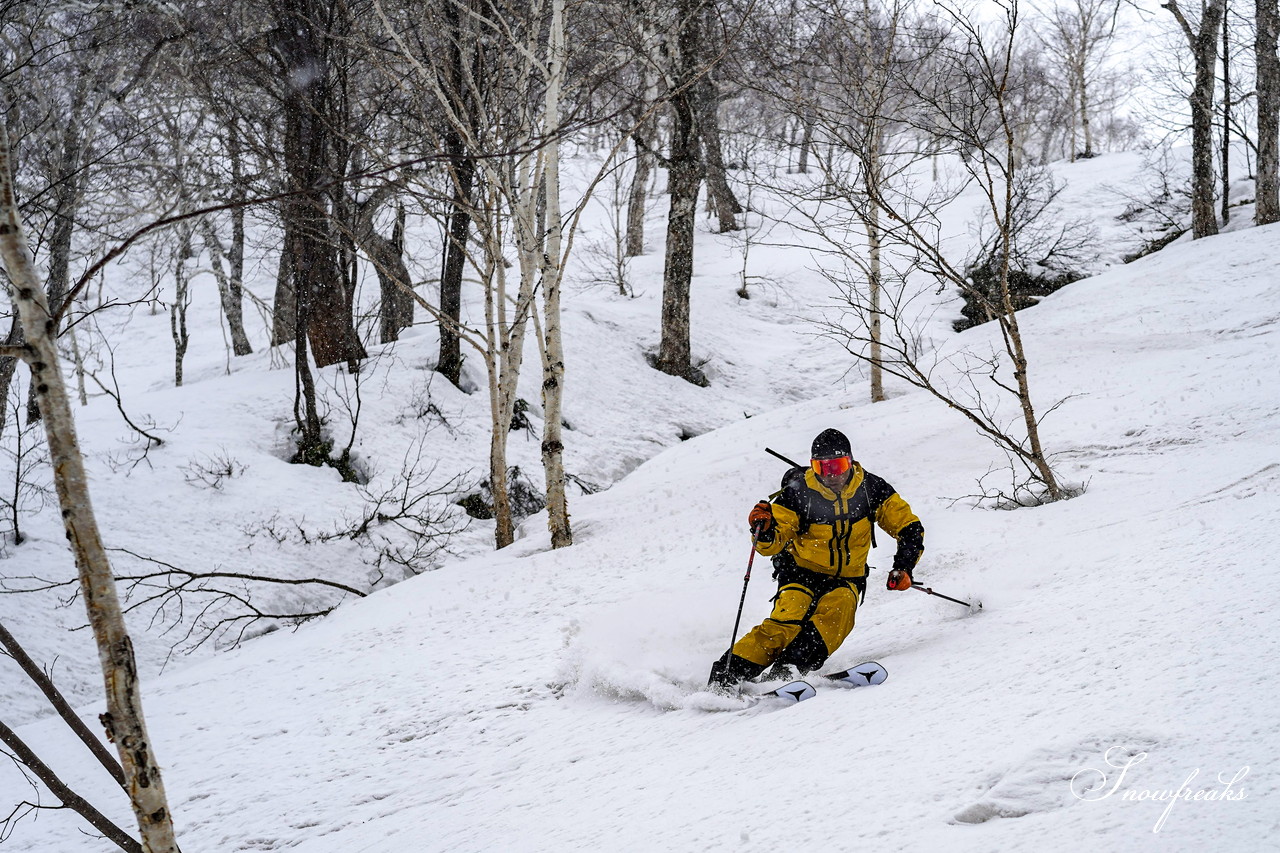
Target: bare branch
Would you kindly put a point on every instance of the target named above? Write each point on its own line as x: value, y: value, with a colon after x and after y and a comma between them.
x: 115, y: 395
x: 170, y: 569
x: 65, y: 711
x: 69, y: 798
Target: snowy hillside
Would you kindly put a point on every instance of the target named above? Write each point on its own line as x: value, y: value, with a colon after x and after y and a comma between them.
x: 538, y: 700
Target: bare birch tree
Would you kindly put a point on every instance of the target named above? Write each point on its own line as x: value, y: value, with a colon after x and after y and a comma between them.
x: 552, y: 272
x: 511, y: 123
x: 961, y: 90
x: 227, y: 260
x: 871, y: 50
x: 126, y: 725
x: 1079, y: 36
x: 984, y: 64
x: 856, y: 74
x: 645, y: 144
x: 514, y: 195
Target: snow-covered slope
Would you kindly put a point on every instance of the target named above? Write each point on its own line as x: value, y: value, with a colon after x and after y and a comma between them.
x: 549, y: 700
x: 169, y: 504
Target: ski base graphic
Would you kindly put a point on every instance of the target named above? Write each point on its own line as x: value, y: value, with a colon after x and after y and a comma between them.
x: 862, y: 675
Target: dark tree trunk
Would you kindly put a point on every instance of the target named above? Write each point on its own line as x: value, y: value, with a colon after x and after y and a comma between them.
x: 64, y: 217
x: 345, y: 160
x: 1268, y: 31
x: 233, y: 305
x: 8, y: 366
x: 387, y: 257
x: 321, y: 288
x: 724, y: 202
x: 1204, y: 221
x: 807, y: 121
x: 67, y: 200
x: 684, y: 177
x: 1226, y: 120
x: 316, y: 277
x: 636, y: 200
x: 455, y: 262
x: 312, y: 449
x: 462, y: 172
x: 1204, y: 51
x: 284, y: 315
x: 645, y: 139
x: 318, y: 285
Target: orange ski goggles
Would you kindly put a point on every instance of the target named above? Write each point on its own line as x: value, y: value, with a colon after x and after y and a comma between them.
x: 831, y: 467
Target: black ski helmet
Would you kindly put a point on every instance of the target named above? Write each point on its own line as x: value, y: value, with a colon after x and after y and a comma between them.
x: 830, y: 444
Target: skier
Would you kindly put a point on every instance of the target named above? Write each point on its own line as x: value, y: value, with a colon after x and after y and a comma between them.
x: 819, y: 533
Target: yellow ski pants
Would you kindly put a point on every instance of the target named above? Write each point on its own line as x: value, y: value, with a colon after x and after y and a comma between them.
x: 794, y: 606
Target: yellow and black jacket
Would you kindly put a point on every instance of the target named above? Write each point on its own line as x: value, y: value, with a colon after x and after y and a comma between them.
x: 830, y: 533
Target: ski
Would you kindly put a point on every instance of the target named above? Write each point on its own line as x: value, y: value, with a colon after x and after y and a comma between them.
x: 861, y: 675
x: 794, y: 691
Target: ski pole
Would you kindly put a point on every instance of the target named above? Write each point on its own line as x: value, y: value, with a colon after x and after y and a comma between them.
x: 773, y: 452
x: 737, y: 622
x: 930, y: 591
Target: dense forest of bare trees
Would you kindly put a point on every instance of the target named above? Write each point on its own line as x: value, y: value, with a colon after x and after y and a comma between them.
x: 421, y: 144
x: 314, y: 136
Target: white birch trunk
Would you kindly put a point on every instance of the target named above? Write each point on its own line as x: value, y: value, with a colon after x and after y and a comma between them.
x: 874, y: 280
x: 1084, y: 115
x: 553, y: 349
x: 78, y: 360
x: 127, y: 727
x: 504, y: 344
x: 181, y: 301
x: 875, y: 149
x: 229, y: 293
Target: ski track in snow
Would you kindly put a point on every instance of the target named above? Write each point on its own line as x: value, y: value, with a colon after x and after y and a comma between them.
x: 532, y: 700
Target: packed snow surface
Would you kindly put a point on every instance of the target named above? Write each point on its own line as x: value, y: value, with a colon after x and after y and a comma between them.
x: 539, y: 700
